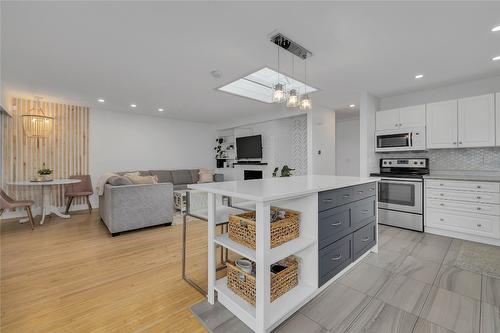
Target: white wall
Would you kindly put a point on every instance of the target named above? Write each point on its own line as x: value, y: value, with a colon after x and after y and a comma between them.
x: 452, y: 91
x: 368, y: 104
x: 125, y: 142
x: 347, y: 147
x: 321, y: 141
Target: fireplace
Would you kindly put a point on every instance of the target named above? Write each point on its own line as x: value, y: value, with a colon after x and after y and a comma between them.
x: 252, y: 174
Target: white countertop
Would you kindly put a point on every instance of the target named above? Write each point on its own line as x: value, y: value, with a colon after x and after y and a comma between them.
x: 270, y: 189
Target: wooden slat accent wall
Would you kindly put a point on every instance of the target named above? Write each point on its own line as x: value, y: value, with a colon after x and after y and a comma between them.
x: 66, y: 151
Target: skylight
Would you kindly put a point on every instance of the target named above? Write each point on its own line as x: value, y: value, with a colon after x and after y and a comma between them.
x: 259, y: 85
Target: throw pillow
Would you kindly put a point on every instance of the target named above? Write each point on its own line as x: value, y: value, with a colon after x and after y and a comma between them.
x: 206, y: 176
x: 119, y: 181
x: 136, y: 179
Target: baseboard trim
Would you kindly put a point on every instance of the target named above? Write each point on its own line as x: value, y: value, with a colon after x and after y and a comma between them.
x: 459, y: 235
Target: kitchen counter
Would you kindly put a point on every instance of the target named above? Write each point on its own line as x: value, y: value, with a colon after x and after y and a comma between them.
x: 269, y: 189
x: 459, y: 176
x: 326, y: 248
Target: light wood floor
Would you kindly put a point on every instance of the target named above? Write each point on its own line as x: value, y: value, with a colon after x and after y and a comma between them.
x: 72, y: 276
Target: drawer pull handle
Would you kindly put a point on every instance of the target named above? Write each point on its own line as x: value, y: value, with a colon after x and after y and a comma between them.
x: 336, y: 224
x: 479, y: 225
x: 478, y: 186
x: 441, y: 219
x: 337, y: 257
x: 365, y: 239
x: 441, y: 184
x: 478, y: 208
x: 441, y: 194
x: 346, y: 196
x: 361, y: 192
x: 327, y: 200
x: 478, y: 197
x: 364, y: 211
x: 372, y: 189
x: 442, y: 204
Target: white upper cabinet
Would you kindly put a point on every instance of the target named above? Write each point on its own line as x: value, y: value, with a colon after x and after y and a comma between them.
x: 442, y: 125
x: 411, y: 116
x: 387, y: 120
x: 497, y: 102
x: 476, y: 121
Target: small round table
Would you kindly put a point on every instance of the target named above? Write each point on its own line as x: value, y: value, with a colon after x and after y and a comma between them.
x: 47, y: 207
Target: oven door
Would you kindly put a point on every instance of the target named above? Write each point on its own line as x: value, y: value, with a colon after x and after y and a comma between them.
x: 404, y: 195
x: 393, y: 141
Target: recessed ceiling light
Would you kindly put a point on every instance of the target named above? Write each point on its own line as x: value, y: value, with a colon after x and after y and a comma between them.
x: 495, y: 58
x: 100, y: 100
x: 352, y: 105
x: 495, y: 29
x: 133, y: 105
x: 419, y: 76
x: 160, y: 109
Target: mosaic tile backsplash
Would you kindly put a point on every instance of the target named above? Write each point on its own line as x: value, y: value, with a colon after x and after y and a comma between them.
x: 463, y: 159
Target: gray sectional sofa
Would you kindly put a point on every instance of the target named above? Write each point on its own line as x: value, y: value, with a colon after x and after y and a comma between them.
x: 129, y: 207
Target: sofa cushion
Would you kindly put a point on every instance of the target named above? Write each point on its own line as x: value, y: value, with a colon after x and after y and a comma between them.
x: 164, y: 176
x: 195, y: 175
x: 119, y: 181
x: 141, y: 173
x: 136, y: 179
x: 182, y: 177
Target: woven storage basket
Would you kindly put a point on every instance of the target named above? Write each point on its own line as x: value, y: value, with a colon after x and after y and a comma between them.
x: 242, y: 228
x: 243, y: 284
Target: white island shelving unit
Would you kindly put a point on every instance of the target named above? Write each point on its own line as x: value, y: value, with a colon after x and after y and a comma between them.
x: 298, y: 193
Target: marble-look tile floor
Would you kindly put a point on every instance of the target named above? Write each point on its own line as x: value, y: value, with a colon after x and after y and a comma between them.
x: 411, y: 286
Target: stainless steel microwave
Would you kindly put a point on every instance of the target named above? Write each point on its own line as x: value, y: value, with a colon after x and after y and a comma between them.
x: 400, y: 140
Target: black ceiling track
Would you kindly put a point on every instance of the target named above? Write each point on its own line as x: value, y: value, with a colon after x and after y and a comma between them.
x: 291, y: 46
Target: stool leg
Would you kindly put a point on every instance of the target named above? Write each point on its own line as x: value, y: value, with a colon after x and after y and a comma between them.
x: 30, y: 217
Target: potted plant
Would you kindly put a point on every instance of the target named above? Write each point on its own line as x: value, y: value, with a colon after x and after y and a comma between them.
x: 286, y: 171
x: 45, y: 174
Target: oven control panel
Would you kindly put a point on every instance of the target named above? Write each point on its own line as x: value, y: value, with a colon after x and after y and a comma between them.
x: 404, y: 162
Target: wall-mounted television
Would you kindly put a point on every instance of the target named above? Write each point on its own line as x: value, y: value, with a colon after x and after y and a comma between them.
x: 249, y: 147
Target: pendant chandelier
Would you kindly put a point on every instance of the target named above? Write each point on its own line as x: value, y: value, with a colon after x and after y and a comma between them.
x: 35, y: 123
x: 292, y: 97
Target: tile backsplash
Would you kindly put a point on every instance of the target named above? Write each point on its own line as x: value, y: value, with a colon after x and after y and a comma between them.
x: 463, y: 159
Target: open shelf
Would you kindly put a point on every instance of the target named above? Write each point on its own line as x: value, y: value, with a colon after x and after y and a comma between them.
x: 289, y: 302
x: 237, y: 305
x: 291, y: 247
x: 242, y: 250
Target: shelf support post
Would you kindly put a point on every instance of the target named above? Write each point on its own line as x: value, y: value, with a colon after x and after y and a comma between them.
x: 211, y: 248
x: 263, y: 275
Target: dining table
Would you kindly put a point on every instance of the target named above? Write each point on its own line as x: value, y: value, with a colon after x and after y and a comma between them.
x: 46, y: 188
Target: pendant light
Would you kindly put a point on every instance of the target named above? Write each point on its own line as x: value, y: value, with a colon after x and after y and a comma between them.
x: 35, y: 123
x: 305, y: 102
x: 279, y: 89
x: 293, y: 97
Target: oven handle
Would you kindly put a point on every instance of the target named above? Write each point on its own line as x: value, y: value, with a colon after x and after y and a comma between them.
x: 400, y: 181
x: 411, y: 139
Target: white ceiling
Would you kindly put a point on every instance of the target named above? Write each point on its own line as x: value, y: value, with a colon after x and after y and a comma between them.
x: 160, y: 54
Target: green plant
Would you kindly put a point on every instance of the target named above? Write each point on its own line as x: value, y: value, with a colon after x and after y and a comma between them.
x: 44, y: 170
x: 286, y: 171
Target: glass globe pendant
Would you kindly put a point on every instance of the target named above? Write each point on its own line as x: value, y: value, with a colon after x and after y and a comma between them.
x: 293, y: 99
x: 305, y: 103
x: 279, y: 93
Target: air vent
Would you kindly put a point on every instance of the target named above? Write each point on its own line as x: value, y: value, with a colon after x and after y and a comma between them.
x: 289, y: 45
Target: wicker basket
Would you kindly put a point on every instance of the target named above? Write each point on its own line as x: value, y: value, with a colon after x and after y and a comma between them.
x: 243, y: 284
x: 242, y: 228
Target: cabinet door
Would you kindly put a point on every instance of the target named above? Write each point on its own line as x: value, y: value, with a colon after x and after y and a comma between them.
x: 497, y: 102
x: 412, y: 116
x: 476, y: 121
x: 387, y: 120
x: 441, y: 118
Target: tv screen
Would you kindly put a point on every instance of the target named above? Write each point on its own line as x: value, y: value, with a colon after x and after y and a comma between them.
x: 249, y: 147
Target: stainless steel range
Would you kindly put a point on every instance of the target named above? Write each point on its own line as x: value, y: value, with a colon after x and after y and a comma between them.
x: 400, y: 192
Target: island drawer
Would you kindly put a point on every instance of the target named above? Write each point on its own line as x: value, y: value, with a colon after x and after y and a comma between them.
x: 364, y: 239
x: 334, y: 224
x: 363, y: 212
x: 334, y: 258
x: 364, y: 191
x: 334, y: 198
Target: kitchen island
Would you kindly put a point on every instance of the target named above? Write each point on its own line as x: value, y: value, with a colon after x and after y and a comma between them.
x: 338, y: 227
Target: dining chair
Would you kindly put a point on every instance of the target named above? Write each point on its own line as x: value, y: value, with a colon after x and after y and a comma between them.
x: 7, y: 202
x: 81, y: 189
